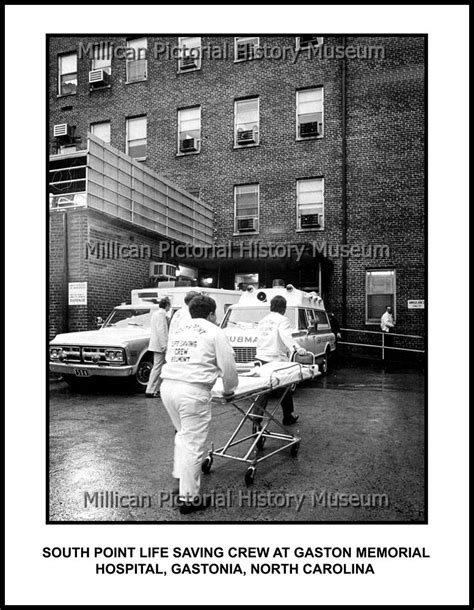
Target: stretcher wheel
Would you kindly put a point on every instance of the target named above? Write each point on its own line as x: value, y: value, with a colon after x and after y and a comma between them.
x: 294, y: 449
x: 250, y: 476
x: 206, y: 464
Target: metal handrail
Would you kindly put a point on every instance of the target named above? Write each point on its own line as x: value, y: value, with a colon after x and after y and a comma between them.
x: 383, y: 347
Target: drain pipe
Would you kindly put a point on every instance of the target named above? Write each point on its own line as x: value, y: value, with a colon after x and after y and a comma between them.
x: 65, y: 275
x: 344, y: 188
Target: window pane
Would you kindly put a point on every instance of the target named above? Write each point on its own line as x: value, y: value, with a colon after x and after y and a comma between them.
x: 380, y: 282
x: 139, y: 45
x: 136, y: 70
x: 101, y: 57
x: 247, y: 111
x: 187, y: 43
x: 136, y: 128
x: 101, y: 130
x: 137, y: 148
x: 377, y: 303
x: 246, y: 200
x: 68, y: 63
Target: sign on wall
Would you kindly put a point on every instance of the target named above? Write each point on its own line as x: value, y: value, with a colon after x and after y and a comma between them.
x: 416, y: 304
x: 77, y: 293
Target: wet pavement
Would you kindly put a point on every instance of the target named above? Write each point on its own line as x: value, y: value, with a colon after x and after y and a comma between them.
x: 361, y: 456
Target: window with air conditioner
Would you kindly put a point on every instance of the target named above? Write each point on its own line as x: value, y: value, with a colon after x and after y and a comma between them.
x: 245, y: 47
x: 101, y: 65
x: 137, y: 138
x: 136, y: 60
x: 246, y: 122
x: 101, y: 130
x: 189, y: 130
x: 67, y: 74
x: 189, y: 53
x: 310, y: 204
x: 380, y: 293
x: 309, y: 113
x: 308, y: 41
x: 246, y: 208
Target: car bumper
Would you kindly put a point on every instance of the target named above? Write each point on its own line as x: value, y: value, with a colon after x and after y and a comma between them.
x: 92, y: 369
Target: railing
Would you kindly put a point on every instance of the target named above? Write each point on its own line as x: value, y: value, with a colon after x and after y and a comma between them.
x: 383, y: 345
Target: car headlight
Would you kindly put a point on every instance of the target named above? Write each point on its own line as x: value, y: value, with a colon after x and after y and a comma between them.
x: 113, y: 355
x: 55, y: 353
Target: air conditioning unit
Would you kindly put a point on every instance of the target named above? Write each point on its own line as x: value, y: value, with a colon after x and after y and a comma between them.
x: 99, y: 78
x: 187, y: 145
x: 188, y: 63
x: 246, y: 224
x: 63, y: 131
x: 247, y: 136
x: 311, y: 221
x: 311, y: 40
x: 164, y: 271
x: 308, y: 130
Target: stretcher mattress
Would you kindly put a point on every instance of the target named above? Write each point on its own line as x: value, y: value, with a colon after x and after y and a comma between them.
x: 268, y: 377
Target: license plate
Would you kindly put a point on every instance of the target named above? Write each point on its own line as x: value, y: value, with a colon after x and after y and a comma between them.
x: 81, y: 372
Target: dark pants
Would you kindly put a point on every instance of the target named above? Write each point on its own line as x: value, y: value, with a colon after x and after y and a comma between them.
x: 286, y: 403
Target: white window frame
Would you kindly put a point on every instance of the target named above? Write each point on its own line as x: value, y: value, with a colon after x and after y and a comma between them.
x: 129, y: 61
x: 317, y: 137
x: 127, y: 141
x: 299, y: 229
x: 240, y: 39
x: 180, y: 153
x: 105, y: 47
x: 236, y: 102
x: 109, y: 123
x: 320, y: 41
x: 198, y: 57
x: 393, y: 272
x: 257, y: 217
x: 60, y: 74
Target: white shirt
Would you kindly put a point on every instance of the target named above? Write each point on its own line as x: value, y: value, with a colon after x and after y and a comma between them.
x: 386, y: 322
x: 159, y: 331
x: 181, y: 317
x: 199, y: 352
x: 274, y: 338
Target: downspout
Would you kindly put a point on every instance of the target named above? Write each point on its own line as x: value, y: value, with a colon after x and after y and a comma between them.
x: 344, y: 189
x: 65, y: 275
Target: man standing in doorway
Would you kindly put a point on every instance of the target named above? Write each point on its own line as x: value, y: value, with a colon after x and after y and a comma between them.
x: 158, y: 343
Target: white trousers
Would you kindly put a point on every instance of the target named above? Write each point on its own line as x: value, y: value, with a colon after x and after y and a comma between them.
x: 189, y: 407
x: 155, y: 380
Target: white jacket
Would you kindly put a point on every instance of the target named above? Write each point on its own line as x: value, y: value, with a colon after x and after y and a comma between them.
x: 181, y: 316
x: 159, y: 331
x: 274, y: 340
x: 386, y: 322
x: 199, y: 352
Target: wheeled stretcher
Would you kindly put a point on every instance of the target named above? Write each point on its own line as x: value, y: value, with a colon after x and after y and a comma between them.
x: 247, y: 399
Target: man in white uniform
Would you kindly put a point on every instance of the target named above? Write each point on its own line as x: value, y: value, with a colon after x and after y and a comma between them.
x: 182, y: 315
x: 198, y: 353
x: 274, y: 344
x: 387, y: 324
x: 158, y: 342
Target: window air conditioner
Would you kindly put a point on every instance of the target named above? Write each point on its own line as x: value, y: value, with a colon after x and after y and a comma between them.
x: 311, y: 221
x: 163, y: 270
x: 307, y: 41
x: 308, y: 129
x: 187, y: 145
x: 99, y: 78
x: 63, y: 131
x: 246, y: 224
x: 188, y: 62
x: 247, y: 136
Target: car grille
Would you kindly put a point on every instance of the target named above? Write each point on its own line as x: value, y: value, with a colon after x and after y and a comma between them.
x: 72, y: 353
x: 86, y: 355
x: 245, y: 354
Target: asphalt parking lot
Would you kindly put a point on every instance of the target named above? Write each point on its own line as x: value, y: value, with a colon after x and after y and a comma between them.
x: 361, y: 455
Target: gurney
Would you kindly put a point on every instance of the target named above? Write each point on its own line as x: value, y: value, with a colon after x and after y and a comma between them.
x: 262, y: 380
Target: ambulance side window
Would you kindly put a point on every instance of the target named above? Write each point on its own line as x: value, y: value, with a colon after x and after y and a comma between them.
x: 322, y: 319
x: 302, y: 321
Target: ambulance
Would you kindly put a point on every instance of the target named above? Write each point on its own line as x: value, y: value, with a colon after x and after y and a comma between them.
x: 305, y: 311
x: 119, y: 348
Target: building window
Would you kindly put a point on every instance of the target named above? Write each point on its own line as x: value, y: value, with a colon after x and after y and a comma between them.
x: 246, y: 122
x: 309, y: 41
x: 310, y: 204
x: 189, y: 130
x: 101, y: 130
x: 380, y: 293
x: 189, y: 53
x: 246, y: 201
x: 245, y: 47
x: 136, y: 60
x: 309, y: 113
x: 102, y: 57
x: 136, y: 138
x: 67, y: 84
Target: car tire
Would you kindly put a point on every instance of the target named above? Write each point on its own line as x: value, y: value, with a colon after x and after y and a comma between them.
x: 140, y: 379
x: 324, y: 362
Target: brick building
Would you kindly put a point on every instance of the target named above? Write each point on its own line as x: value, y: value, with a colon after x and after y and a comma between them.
x: 310, y: 152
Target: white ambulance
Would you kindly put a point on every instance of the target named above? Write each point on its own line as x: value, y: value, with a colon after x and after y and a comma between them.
x: 119, y: 348
x: 305, y: 311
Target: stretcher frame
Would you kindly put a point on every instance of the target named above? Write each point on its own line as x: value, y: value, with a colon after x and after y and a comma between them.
x: 260, y: 422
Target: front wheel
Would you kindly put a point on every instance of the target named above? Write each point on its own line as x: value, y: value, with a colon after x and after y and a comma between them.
x: 141, y: 377
x: 324, y: 363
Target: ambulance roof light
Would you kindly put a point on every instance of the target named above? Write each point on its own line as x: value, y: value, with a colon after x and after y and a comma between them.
x: 261, y: 296
x: 290, y: 287
x: 250, y: 289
